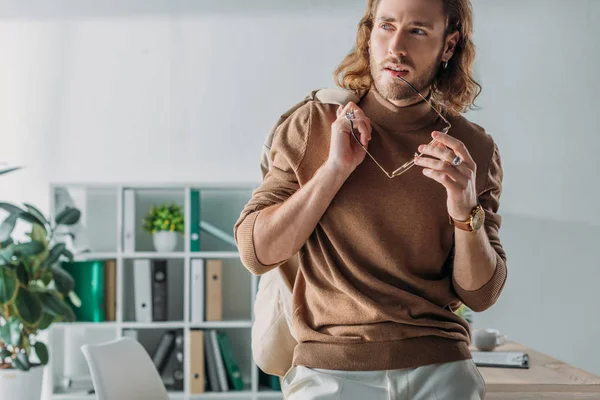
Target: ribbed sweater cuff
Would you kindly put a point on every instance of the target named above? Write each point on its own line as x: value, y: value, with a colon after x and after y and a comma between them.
x: 484, y: 297
x: 245, y: 240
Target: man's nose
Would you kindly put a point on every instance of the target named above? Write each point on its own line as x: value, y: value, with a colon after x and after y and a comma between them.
x: 397, y: 46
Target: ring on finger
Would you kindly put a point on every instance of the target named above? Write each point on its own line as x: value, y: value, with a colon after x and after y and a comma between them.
x: 350, y: 114
x: 456, y: 161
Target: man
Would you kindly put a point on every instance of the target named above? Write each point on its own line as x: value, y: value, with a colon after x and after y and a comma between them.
x: 386, y: 257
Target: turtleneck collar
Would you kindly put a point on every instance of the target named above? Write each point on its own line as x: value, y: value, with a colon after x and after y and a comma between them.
x: 393, y: 118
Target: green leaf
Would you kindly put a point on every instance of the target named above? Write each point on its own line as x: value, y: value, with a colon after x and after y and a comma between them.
x: 47, y: 319
x: 29, y: 248
x: 6, y: 243
x: 46, y: 277
x: 38, y: 233
x: 5, y: 333
x: 69, y: 315
x: 68, y: 216
x: 28, y: 307
x: 21, y: 361
x: 42, y: 352
x: 4, y: 353
x: 26, y: 345
x: 54, y: 254
x: 7, y: 226
x: 6, y: 255
x: 36, y: 213
x: 52, y: 303
x: 12, y: 209
x: 10, y: 333
x: 63, y: 280
x: 68, y: 254
x: 22, y: 274
x: 74, y: 299
x: 9, y: 285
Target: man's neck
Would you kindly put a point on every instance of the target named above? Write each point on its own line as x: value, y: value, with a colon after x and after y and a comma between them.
x: 411, y: 100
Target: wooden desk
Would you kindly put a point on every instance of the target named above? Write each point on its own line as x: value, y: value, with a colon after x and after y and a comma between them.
x: 546, y: 378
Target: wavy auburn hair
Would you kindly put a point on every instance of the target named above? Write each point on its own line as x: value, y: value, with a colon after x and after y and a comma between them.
x: 454, y: 88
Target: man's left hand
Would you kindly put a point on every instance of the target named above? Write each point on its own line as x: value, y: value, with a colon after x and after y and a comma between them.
x: 459, y: 181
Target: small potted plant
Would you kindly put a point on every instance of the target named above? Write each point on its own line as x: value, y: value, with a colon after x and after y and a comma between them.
x: 33, y: 288
x: 165, y: 224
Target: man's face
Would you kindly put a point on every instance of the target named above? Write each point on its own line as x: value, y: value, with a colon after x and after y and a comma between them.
x: 408, y: 35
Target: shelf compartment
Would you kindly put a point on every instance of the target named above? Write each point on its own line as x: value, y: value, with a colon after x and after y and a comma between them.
x: 140, y: 302
x: 136, y: 205
x: 95, y: 230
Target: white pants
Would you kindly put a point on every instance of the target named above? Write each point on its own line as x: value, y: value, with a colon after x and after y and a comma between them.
x: 459, y: 380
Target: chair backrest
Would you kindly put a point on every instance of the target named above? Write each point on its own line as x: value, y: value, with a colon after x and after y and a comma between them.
x: 122, y: 369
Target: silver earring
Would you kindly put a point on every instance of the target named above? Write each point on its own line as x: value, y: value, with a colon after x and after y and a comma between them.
x: 445, y: 64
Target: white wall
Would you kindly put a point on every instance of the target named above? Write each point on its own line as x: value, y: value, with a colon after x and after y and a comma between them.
x: 160, y: 90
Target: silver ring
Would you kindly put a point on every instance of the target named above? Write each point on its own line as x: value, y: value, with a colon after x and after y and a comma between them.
x: 457, y: 161
x: 350, y: 114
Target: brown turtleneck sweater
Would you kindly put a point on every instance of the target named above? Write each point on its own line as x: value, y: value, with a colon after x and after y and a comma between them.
x: 375, y: 287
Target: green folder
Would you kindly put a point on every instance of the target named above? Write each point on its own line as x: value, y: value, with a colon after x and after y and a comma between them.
x: 194, y: 220
x: 230, y: 361
x: 89, y: 287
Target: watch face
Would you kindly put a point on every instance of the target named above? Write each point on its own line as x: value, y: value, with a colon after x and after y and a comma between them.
x: 478, y: 218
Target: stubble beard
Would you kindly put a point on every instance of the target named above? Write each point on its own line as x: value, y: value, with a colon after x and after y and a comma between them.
x: 399, y: 90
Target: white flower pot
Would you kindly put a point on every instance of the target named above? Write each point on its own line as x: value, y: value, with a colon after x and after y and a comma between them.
x: 164, y: 241
x: 22, y: 385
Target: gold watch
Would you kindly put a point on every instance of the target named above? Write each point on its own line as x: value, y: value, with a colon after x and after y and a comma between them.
x: 474, y: 222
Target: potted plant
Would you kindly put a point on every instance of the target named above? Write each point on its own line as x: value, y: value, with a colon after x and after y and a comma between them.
x: 33, y: 288
x: 165, y: 224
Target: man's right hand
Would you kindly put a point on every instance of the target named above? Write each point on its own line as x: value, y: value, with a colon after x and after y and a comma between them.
x: 345, y: 154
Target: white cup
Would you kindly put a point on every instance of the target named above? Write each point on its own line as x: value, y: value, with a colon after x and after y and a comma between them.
x: 488, y: 339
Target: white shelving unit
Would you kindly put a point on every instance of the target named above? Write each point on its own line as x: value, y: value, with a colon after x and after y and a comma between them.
x: 103, y: 212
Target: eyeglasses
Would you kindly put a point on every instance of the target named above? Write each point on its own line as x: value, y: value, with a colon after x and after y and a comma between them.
x: 408, y: 165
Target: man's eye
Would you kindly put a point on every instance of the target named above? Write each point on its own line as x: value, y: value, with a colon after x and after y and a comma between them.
x: 419, y: 31
x: 386, y: 26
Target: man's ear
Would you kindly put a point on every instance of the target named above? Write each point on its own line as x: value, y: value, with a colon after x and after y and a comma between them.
x: 450, y: 47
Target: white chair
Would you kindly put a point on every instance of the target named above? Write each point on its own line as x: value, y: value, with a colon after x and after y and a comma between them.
x: 122, y: 369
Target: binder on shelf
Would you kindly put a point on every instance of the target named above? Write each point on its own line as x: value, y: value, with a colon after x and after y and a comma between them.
x: 211, y: 364
x: 88, y: 276
x: 231, y: 364
x: 159, y: 290
x: 197, y: 291
x: 197, y: 359
x: 128, y: 220
x: 110, y: 290
x: 178, y: 353
x: 214, y: 290
x: 194, y: 220
x: 163, y: 350
x: 221, y: 373
x: 142, y: 288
